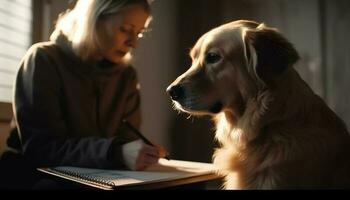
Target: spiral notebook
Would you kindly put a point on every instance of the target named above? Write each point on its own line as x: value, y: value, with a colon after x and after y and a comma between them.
x: 163, y: 174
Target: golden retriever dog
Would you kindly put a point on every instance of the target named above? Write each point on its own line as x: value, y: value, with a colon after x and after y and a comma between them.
x: 274, y: 131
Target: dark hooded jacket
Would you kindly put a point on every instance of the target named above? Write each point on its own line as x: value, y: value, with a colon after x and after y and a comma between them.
x: 69, y: 111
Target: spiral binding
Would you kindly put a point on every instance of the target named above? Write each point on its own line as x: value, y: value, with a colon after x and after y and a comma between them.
x: 84, y: 177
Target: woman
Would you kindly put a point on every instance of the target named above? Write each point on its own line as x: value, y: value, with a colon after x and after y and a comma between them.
x: 73, y: 92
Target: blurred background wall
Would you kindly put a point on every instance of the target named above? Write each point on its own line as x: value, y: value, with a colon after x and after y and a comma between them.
x: 319, y: 30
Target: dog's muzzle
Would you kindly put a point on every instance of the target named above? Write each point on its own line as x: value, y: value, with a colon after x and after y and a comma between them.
x: 176, y: 92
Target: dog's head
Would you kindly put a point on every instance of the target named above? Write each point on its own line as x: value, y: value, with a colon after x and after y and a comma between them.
x: 230, y: 64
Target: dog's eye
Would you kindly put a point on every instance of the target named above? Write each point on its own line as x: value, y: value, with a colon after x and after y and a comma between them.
x: 212, y: 58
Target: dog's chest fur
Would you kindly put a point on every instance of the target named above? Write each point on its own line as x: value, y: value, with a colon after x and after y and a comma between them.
x: 245, y: 165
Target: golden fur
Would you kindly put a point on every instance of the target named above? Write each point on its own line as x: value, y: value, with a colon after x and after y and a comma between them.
x: 274, y: 131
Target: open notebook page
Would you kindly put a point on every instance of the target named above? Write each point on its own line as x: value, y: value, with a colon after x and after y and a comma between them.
x: 162, y: 171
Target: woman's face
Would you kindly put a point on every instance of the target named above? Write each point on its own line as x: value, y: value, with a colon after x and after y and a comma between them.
x: 119, y: 33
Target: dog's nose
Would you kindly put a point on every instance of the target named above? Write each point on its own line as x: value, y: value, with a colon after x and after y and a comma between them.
x: 176, y: 92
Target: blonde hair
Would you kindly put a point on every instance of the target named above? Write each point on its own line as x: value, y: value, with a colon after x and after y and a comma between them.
x: 79, y: 24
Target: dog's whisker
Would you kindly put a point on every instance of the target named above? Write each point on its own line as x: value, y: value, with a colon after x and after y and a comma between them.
x: 192, y: 119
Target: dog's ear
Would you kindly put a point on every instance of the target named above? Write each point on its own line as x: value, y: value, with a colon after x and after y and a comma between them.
x: 273, y: 52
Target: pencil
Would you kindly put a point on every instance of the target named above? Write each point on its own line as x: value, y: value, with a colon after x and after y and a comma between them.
x: 138, y: 133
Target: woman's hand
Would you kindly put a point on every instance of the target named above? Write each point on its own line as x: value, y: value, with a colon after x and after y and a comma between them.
x: 138, y: 155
